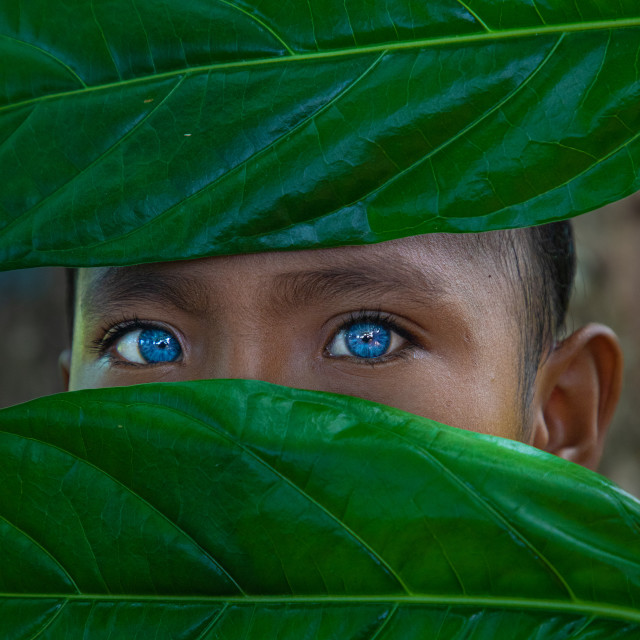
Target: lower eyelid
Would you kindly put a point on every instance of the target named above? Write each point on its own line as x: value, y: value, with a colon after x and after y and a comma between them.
x: 406, y: 352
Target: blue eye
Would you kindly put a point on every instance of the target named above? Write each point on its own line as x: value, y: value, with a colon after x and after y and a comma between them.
x: 156, y: 345
x: 366, y: 339
x: 149, y: 346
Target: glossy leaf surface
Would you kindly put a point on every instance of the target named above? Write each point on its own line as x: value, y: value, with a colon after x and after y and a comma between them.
x: 238, y: 509
x: 148, y: 130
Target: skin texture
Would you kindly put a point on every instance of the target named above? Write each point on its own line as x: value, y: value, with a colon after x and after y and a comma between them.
x: 454, y: 355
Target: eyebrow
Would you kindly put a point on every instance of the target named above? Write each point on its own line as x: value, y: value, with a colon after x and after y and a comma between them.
x: 377, y: 279
x: 117, y: 287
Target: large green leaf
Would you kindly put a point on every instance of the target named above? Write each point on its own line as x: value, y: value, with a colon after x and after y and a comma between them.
x: 146, y: 130
x: 238, y: 509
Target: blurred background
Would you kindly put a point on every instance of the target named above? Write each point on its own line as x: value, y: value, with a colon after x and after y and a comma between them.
x: 608, y: 291
x: 33, y: 324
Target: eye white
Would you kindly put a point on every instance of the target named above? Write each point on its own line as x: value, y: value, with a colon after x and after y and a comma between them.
x: 129, y: 348
x: 338, y: 346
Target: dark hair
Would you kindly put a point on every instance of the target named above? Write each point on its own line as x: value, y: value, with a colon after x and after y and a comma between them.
x: 71, y: 274
x: 553, y: 250
x: 541, y: 262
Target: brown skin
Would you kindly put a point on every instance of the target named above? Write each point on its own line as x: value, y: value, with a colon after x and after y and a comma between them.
x: 277, y: 317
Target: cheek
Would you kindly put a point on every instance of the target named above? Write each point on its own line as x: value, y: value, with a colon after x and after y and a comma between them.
x: 86, y: 371
x: 481, y: 405
x: 465, y: 395
x: 85, y: 376
x: 490, y: 398
x: 479, y: 392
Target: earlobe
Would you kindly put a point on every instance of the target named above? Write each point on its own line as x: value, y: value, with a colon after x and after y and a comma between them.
x: 577, y: 389
x: 64, y: 361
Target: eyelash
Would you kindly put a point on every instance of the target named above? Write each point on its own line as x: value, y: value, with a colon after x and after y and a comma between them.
x: 112, y: 332
x: 388, y: 322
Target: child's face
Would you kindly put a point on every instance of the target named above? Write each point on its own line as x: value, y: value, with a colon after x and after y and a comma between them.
x: 418, y: 324
x: 429, y: 324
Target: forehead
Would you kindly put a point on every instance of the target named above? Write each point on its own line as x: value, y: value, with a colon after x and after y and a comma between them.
x: 420, y: 268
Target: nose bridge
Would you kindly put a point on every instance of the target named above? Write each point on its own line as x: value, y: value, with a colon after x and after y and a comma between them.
x: 247, y: 343
x: 247, y: 350
x: 246, y: 357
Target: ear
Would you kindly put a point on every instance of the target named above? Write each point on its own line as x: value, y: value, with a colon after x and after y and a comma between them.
x: 64, y: 361
x: 577, y: 389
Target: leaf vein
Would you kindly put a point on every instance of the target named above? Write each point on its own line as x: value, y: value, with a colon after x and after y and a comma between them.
x: 101, y: 156
x: 621, y: 147
x: 469, y: 127
x: 130, y: 491
x: 50, y: 621
x: 49, y: 55
x: 378, y: 634
x: 262, y: 23
x: 537, y: 10
x: 428, y: 157
x: 485, y: 26
x: 216, y: 619
x: 19, y: 126
x: 480, y: 38
x: 104, y: 39
x: 240, y: 167
x: 386, y: 183
x: 43, y: 548
x: 582, y: 607
x: 134, y: 4
x: 220, y: 430
x: 491, y: 509
x: 577, y: 634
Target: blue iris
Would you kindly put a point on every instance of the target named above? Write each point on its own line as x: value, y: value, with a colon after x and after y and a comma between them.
x: 156, y: 345
x: 367, y: 339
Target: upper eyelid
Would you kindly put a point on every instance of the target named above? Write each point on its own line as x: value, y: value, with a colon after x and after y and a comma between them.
x: 109, y: 333
x: 113, y: 332
x: 367, y: 316
x: 385, y: 318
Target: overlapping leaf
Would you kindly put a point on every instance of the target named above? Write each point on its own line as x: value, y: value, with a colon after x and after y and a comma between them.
x: 139, y: 130
x: 236, y: 509
x: 145, y: 130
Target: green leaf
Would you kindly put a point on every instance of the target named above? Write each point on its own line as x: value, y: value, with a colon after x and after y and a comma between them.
x: 146, y: 130
x: 239, y: 509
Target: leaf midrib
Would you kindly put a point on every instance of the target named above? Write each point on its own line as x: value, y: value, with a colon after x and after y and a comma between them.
x: 581, y: 607
x: 484, y: 36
